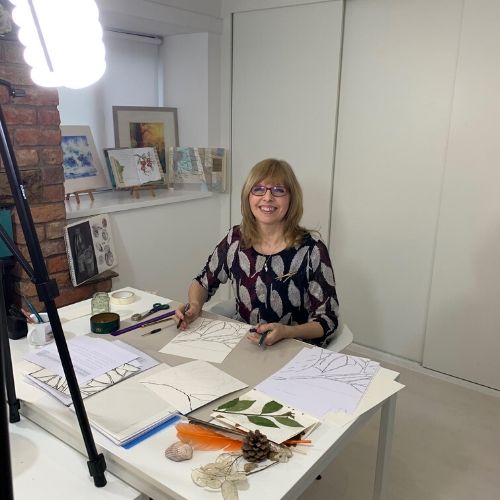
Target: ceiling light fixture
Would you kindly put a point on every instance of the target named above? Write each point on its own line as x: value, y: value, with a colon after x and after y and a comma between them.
x: 63, y: 40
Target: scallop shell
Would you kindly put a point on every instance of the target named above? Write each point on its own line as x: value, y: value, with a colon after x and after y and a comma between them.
x: 179, y: 451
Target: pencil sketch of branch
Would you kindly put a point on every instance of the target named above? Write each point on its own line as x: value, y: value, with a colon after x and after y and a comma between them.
x: 191, y: 385
x: 224, y: 333
x: 189, y: 398
x: 320, y: 364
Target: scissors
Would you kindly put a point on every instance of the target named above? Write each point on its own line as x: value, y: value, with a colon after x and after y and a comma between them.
x: 156, y: 307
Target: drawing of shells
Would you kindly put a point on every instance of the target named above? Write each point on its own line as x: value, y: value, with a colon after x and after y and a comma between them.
x: 101, y: 260
x: 95, y: 230
x: 109, y: 257
x: 98, y: 247
x: 179, y: 451
x: 104, y: 222
x: 105, y: 235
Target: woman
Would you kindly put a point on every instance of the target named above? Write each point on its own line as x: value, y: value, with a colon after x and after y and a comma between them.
x: 282, y: 276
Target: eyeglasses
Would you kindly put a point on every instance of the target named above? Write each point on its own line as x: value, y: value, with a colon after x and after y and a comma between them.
x: 261, y: 190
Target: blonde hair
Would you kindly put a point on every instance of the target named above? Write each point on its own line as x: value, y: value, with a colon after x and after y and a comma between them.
x: 279, y: 172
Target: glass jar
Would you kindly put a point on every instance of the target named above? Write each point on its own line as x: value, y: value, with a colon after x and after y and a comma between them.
x: 100, y: 303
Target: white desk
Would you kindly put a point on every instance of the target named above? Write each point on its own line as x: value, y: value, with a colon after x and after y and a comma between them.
x: 144, y: 466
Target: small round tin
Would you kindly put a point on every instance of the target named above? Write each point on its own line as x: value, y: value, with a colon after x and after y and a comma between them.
x: 105, y: 322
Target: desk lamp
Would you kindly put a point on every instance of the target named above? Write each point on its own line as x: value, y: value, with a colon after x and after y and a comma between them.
x: 63, y: 40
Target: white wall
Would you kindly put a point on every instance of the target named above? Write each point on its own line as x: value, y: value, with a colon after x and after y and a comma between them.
x: 131, y: 79
x: 162, y: 248
x: 192, y: 85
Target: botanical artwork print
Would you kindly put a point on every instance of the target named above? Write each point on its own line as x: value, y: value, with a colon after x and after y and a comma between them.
x: 256, y: 410
x: 77, y: 157
x: 149, y: 135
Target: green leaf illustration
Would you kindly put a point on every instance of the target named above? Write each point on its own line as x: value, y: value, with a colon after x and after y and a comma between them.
x: 290, y: 422
x: 271, y: 407
x: 236, y: 405
x: 262, y: 421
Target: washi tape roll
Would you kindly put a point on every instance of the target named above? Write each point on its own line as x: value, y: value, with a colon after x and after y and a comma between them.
x: 122, y: 298
x: 104, y: 322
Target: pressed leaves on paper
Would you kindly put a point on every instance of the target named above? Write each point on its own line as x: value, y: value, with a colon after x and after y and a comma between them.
x: 255, y: 410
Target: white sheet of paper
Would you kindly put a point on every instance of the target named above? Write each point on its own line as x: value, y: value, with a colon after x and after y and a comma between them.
x: 381, y: 387
x: 91, y: 357
x: 207, y: 339
x: 191, y: 385
x: 319, y: 381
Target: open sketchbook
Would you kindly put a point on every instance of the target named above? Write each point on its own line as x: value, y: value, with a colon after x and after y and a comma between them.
x: 90, y: 249
x: 48, y: 378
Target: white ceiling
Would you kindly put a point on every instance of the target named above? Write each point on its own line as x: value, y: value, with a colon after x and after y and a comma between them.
x: 161, y: 17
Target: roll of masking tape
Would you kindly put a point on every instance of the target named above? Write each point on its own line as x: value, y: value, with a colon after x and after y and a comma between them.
x: 122, y: 298
x: 104, y: 322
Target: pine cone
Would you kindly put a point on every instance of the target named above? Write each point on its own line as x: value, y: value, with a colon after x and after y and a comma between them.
x: 256, y: 447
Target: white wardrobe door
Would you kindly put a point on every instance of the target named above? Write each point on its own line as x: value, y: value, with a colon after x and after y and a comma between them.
x: 284, y: 98
x: 463, y: 332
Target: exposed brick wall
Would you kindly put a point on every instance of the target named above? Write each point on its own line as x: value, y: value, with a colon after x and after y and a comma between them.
x: 33, y: 125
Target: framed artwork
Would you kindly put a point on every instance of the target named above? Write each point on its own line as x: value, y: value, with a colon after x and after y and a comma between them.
x: 82, y: 168
x: 201, y: 169
x: 90, y: 249
x: 139, y: 127
x: 131, y: 167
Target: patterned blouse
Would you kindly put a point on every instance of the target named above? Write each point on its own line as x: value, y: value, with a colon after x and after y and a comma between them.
x: 294, y: 286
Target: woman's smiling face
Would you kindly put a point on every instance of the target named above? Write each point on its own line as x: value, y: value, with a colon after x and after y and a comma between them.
x: 269, y: 209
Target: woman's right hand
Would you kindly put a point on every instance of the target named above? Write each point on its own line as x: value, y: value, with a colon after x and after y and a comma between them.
x: 187, y: 313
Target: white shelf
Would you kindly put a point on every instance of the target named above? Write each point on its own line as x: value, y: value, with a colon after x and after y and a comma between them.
x: 117, y: 201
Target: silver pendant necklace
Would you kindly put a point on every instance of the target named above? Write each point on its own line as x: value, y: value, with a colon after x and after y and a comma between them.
x: 265, y: 263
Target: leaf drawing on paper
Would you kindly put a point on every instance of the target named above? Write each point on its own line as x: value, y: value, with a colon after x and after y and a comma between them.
x: 353, y: 371
x: 224, y: 333
x: 93, y: 386
x: 239, y: 406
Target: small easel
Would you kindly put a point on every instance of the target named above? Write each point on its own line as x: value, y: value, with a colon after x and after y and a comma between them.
x: 134, y: 191
x: 78, y: 193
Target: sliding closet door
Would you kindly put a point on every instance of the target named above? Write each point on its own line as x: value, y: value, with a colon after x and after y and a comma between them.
x: 284, y: 98
x: 463, y: 332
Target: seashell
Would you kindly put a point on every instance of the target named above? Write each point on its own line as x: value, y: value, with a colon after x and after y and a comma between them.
x: 179, y: 451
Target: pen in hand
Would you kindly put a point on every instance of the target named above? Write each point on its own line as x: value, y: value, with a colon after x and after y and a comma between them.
x: 262, y: 338
x: 186, y: 309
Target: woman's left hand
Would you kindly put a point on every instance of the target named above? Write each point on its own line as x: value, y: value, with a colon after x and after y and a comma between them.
x: 275, y: 333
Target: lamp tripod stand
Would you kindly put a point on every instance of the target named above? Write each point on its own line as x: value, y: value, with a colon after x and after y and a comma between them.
x: 47, y: 290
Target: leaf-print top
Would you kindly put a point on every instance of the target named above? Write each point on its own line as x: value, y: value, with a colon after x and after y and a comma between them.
x: 294, y: 286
